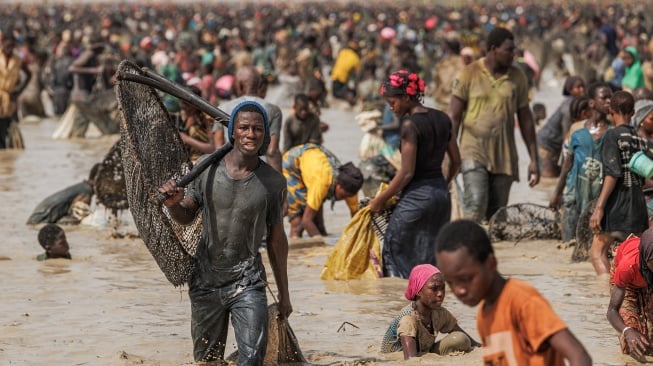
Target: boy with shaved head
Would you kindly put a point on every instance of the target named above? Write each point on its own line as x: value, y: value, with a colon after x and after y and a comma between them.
x: 516, y: 324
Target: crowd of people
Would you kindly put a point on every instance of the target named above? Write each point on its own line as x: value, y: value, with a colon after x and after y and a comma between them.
x: 480, y: 64
x: 293, y: 45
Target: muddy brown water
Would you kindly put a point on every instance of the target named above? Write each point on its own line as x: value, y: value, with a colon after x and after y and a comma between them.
x: 110, y: 304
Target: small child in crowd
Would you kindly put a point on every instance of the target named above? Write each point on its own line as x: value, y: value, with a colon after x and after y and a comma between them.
x: 197, y: 131
x: 539, y: 113
x: 301, y: 127
x: 417, y: 326
x: 53, y: 239
x: 516, y: 324
x: 581, y: 171
x: 621, y: 206
x: 580, y: 111
x: 316, y: 93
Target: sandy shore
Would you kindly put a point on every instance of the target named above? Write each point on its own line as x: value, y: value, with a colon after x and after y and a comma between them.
x: 111, y: 305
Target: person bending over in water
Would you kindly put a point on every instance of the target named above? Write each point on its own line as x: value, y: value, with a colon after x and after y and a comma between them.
x: 417, y: 326
x: 67, y: 206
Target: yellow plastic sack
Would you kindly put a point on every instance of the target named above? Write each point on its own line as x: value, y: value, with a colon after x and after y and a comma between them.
x: 357, y: 254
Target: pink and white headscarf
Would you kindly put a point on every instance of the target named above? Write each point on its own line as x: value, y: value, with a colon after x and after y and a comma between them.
x: 419, y: 275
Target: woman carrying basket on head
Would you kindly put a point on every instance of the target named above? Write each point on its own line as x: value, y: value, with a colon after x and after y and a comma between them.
x: 425, y: 204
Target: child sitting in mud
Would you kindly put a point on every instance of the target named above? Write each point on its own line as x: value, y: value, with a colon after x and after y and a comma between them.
x: 53, y: 239
x: 416, y: 327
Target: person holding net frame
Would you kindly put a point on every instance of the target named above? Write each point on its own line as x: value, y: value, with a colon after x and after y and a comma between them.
x: 240, y: 199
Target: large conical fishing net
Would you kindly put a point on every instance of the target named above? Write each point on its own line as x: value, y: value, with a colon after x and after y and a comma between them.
x: 282, y: 346
x: 152, y: 153
x: 524, y: 221
x: 109, y: 184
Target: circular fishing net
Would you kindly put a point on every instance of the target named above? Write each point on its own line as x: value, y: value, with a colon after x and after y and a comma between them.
x: 524, y: 221
x: 109, y: 184
x: 152, y: 153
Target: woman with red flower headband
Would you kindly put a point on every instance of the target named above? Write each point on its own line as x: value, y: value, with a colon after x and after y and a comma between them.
x: 424, y: 205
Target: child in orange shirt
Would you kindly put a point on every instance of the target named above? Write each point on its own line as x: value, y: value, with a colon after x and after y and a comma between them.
x: 516, y: 324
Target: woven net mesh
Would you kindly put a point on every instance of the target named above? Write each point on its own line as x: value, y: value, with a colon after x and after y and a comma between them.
x: 380, y: 223
x: 152, y: 153
x: 282, y: 346
x: 380, y: 220
x: 524, y: 221
x: 109, y: 184
x: 584, y: 234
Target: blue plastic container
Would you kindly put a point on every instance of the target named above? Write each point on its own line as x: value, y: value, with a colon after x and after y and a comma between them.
x: 641, y: 164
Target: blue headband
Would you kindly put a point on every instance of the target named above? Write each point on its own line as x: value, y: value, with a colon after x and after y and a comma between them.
x: 232, y: 121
